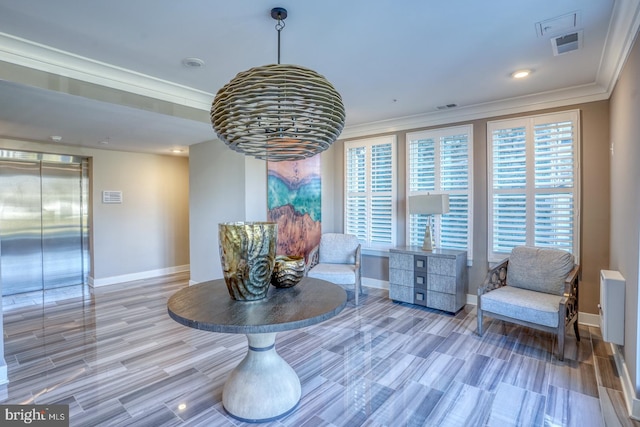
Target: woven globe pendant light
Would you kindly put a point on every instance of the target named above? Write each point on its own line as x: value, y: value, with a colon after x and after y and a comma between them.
x: 278, y: 112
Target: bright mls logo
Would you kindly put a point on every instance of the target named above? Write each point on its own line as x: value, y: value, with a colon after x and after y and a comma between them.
x: 34, y: 415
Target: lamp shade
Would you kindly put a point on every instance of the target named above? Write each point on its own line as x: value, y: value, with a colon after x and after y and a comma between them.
x: 429, y: 204
x: 278, y: 112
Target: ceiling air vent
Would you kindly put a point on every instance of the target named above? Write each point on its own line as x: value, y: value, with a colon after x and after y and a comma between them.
x: 446, y: 107
x: 566, y: 43
x: 559, y: 25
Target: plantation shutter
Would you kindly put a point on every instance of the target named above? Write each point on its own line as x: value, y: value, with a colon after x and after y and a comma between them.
x: 422, y: 179
x: 533, y: 183
x: 554, y: 183
x: 454, y: 180
x: 440, y: 161
x: 509, y: 183
x: 382, y: 185
x: 370, y: 211
x: 356, y: 183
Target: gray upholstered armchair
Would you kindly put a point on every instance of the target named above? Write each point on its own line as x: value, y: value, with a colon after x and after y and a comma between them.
x: 534, y: 287
x: 337, y: 260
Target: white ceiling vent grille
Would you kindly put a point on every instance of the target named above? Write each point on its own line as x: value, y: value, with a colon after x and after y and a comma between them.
x: 559, y: 25
x: 566, y: 43
x: 112, y: 197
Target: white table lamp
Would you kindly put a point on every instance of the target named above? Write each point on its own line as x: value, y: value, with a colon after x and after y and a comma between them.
x: 430, y: 204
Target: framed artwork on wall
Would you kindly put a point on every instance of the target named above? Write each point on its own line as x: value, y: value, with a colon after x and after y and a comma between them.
x: 294, y: 203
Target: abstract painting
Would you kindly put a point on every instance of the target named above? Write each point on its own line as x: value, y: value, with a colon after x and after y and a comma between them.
x: 294, y: 203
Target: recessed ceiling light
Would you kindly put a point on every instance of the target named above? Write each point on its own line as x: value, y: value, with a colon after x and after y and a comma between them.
x: 193, y: 62
x: 104, y: 142
x: 55, y: 138
x: 177, y: 150
x: 521, y: 74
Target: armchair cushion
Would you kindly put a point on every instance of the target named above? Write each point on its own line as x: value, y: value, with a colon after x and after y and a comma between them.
x: 539, y: 269
x: 531, y: 306
x: 336, y: 248
x: 341, y: 274
x: 337, y: 259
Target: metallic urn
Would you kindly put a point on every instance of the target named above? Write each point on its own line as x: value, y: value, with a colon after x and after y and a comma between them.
x: 247, y: 253
x: 288, y: 271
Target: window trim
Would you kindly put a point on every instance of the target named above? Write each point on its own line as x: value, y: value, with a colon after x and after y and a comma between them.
x: 437, y: 134
x: 529, y: 122
x: 367, y: 143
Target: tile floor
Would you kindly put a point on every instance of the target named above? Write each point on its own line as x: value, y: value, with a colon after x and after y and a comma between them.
x: 116, y: 358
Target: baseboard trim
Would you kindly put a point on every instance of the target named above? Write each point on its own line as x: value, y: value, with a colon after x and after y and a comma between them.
x: 472, y: 299
x: 589, y: 319
x: 628, y: 390
x: 150, y: 274
x: 375, y: 283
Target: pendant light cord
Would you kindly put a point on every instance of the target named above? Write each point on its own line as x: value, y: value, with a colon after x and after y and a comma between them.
x: 279, y: 27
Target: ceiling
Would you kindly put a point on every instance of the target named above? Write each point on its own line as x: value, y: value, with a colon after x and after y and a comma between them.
x: 110, y: 74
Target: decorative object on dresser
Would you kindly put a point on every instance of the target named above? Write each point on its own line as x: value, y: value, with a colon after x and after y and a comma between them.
x: 435, y: 279
x: 430, y: 204
x: 534, y: 287
x: 337, y: 260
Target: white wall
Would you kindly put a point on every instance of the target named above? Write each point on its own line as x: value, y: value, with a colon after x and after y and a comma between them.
x: 147, y: 235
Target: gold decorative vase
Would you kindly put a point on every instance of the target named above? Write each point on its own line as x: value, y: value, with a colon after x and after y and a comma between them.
x: 247, y: 253
x: 288, y: 271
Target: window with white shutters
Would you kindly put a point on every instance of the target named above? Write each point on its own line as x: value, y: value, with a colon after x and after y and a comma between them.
x: 533, y: 183
x: 440, y: 161
x: 370, y: 197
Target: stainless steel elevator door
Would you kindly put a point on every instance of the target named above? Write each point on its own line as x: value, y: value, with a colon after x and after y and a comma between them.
x: 43, y: 225
x: 61, y: 225
x: 20, y: 226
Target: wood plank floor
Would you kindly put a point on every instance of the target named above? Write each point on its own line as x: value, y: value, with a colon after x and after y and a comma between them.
x: 116, y: 358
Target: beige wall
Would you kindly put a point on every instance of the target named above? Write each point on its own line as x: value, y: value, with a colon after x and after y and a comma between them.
x: 149, y: 232
x: 217, y: 194
x: 625, y: 199
x: 595, y: 200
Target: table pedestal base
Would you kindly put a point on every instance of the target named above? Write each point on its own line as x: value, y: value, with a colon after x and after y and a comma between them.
x: 263, y: 386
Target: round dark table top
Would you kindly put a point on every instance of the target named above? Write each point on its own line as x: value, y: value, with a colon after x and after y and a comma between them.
x: 208, y: 306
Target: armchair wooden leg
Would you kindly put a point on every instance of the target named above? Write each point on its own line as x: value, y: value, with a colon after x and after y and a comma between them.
x: 480, y: 321
x: 561, y: 332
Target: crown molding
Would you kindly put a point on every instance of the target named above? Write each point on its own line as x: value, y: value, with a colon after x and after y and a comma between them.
x: 623, y: 28
x: 554, y: 99
x: 29, y: 54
